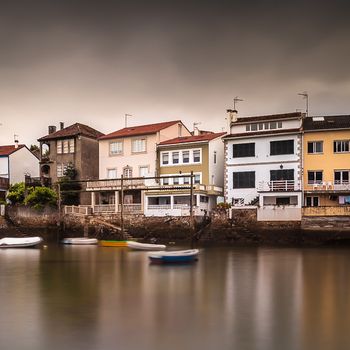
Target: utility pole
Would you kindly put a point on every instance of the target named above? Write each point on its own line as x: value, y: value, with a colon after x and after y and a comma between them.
x: 126, y: 119
x: 305, y: 96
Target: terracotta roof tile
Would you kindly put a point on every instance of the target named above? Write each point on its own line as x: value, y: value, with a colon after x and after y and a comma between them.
x: 139, y: 130
x: 197, y: 138
x: 7, y: 150
x: 73, y: 130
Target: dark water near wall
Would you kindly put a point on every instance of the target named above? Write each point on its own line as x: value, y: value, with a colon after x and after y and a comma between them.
x: 110, y: 298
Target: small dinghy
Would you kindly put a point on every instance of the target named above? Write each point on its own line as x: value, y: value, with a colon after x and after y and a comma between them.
x: 80, y: 241
x: 179, y: 256
x: 144, y: 246
x: 113, y: 243
x: 19, y: 242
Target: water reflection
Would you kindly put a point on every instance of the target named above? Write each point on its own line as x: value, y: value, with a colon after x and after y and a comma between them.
x: 107, y: 298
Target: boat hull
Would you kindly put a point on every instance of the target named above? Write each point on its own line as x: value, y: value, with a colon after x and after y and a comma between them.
x: 145, y: 246
x: 20, y: 242
x: 175, y: 257
x: 80, y: 241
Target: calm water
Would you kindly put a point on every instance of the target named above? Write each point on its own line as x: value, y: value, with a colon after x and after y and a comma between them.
x: 66, y: 297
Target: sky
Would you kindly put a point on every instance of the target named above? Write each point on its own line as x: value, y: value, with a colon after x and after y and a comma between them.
x: 94, y: 61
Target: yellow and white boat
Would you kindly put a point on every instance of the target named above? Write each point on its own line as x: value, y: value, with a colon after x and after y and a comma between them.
x: 113, y: 243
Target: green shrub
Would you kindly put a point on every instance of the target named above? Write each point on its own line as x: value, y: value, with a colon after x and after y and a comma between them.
x: 40, y: 197
x: 17, y: 193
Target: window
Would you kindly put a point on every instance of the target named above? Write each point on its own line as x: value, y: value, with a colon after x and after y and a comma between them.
x: 66, y: 146
x: 176, y: 180
x: 267, y: 126
x: 175, y: 157
x: 244, y: 179
x: 59, y: 170
x: 341, y: 146
x: 197, y: 178
x: 315, y: 147
x: 138, y: 145
x: 282, y: 200
x: 165, y: 158
x: 341, y: 177
x: 279, y: 125
x: 116, y: 148
x: 247, y: 127
x: 312, y: 202
x: 214, y: 157
x: 273, y: 125
x: 314, y: 177
x: 111, y: 173
x: 59, y: 147
x: 71, y: 146
x: 143, y: 171
x: 281, y: 147
x: 165, y: 181
x: 204, y: 199
x: 243, y: 150
x: 197, y: 156
x: 186, y: 180
x: 186, y: 156
x: 127, y: 172
x: 261, y: 126
x: 254, y: 127
x: 282, y: 174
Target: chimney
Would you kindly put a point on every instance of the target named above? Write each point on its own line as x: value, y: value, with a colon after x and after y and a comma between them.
x: 61, y: 125
x: 16, y: 141
x: 231, y: 118
x: 52, y: 129
x: 195, y: 131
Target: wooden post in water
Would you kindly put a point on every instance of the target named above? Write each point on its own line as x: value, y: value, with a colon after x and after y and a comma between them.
x: 122, y: 205
x: 191, y: 210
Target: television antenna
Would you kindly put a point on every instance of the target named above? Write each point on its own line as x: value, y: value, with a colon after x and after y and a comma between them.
x: 305, y: 96
x: 126, y: 115
x: 235, y: 101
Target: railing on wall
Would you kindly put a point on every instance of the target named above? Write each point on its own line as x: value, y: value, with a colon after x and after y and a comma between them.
x: 279, y: 186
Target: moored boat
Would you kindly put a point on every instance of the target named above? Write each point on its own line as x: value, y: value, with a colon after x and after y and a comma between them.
x: 178, y: 256
x: 80, y: 241
x: 19, y: 242
x: 113, y: 243
x: 145, y: 246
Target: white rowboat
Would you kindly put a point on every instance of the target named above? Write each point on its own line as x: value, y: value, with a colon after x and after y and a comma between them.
x: 144, y: 246
x: 178, y: 256
x: 19, y: 242
x: 80, y: 241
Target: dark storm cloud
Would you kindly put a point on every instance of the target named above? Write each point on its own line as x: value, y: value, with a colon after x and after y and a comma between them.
x: 95, y: 61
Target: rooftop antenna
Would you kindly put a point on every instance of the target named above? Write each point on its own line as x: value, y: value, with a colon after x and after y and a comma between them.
x: 306, y: 98
x: 235, y: 100
x: 126, y: 119
x: 195, y: 124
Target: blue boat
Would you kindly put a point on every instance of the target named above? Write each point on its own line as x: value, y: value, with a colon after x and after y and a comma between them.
x: 175, y: 257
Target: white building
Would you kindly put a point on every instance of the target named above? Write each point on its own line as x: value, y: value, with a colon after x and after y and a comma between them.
x: 263, y: 158
x: 16, y: 161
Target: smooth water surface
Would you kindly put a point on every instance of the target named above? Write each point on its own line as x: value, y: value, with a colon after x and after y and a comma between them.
x: 89, y: 297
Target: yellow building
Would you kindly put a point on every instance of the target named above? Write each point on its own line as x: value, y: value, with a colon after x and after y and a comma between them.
x: 326, y: 162
x: 202, y: 154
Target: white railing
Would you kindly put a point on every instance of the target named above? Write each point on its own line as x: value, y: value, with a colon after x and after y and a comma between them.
x: 78, y: 210
x: 279, y: 186
x: 181, y: 206
x: 329, y: 186
x: 114, y: 184
x: 341, y: 185
x: 129, y: 208
x: 159, y: 206
x: 104, y: 208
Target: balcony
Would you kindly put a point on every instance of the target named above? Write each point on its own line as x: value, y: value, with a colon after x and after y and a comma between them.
x: 115, y: 184
x: 4, y: 183
x: 279, y: 186
x: 328, y: 186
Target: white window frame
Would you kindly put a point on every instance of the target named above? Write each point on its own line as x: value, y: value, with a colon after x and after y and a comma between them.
x: 112, y: 169
x: 314, y: 148
x: 127, y: 171
x: 342, y: 141
x: 162, y: 155
x: 200, y: 155
x: 117, y: 152
x: 134, y: 141
x: 143, y: 167
x: 59, y: 170
x: 59, y: 146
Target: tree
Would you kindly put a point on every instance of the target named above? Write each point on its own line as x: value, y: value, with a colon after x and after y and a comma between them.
x: 40, y: 197
x: 70, y: 190
x: 35, y: 149
x: 17, y: 193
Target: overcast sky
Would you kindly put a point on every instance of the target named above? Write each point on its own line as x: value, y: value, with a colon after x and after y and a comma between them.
x: 94, y: 61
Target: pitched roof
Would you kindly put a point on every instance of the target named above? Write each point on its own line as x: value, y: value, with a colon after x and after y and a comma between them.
x: 73, y: 130
x: 263, y: 133
x: 269, y: 117
x: 139, y: 130
x: 7, y: 150
x: 196, y: 138
x: 328, y: 122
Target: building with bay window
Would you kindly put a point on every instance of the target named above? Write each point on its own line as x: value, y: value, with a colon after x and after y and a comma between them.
x: 263, y: 160
x: 203, y: 155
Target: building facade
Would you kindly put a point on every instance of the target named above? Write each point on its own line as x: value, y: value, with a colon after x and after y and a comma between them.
x: 263, y: 159
x: 326, y: 162
x: 199, y: 154
x: 16, y: 162
x: 75, y: 145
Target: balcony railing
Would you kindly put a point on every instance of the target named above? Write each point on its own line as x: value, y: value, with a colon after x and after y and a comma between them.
x: 114, y: 184
x: 4, y: 183
x: 279, y: 186
x: 329, y: 186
